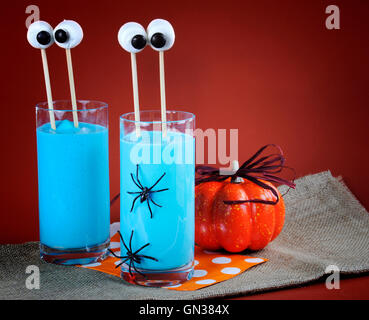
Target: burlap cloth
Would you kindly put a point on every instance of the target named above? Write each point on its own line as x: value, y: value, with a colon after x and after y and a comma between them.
x: 325, y: 225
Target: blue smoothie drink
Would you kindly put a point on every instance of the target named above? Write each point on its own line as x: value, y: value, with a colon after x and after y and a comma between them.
x: 164, y: 218
x: 73, y: 180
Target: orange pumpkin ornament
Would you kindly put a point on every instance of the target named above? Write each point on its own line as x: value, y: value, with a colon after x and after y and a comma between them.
x: 236, y: 214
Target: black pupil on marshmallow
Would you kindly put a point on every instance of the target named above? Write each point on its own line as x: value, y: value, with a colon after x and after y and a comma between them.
x: 158, y: 40
x: 43, y: 37
x: 61, y: 36
x: 138, y: 42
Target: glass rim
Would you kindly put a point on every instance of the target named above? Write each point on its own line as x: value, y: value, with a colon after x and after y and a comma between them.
x: 190, y: 116
x: 45, y: 106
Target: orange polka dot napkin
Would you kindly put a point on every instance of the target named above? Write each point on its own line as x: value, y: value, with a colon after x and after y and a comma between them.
x: 210, y: 267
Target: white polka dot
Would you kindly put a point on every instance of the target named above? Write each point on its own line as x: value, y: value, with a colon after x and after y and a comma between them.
x: 175, y: 286
x: 199, y: 273
x: 195, y: 263
x: 206, y: 281
x: 231, y: 270
x: 96, y: 264
x: 210, y: 252
x: 114, y: 245
x: 254, y: 260
x: 221, y: 260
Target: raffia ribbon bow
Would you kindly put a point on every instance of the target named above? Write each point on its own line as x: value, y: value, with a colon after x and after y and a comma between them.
x: 257, y: 169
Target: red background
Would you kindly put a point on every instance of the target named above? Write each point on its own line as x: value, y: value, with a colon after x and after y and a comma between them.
x: 269, y: 68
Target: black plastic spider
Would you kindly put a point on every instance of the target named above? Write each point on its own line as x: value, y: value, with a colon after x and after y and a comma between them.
x: 133, y: 257
x: 145, y: 193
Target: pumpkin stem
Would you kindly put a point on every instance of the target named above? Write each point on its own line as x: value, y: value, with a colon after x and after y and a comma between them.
x: 235, y: 167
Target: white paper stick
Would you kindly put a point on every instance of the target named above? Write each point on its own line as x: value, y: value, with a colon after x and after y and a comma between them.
x: 48, y: 89
x: 135, y: 93
x: 162, y: 94
x: 72, y: 88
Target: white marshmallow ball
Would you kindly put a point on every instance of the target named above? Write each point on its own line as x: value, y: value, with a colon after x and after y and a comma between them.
x: 127, y: 32
x: 74, y: 32
x: 34, y: 29
x: 165, y: 28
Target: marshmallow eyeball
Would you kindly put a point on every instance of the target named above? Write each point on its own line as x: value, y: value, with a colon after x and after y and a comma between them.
x: 40, y: 35
x: 132, y: 37
x: 161, y: 35
x: 68, y: 34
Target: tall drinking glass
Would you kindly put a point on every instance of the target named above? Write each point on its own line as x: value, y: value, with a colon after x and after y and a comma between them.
x: 73, y: 182
x: 157, y: 197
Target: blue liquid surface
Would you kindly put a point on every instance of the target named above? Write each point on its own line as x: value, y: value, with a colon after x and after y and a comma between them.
x: 171, y: 230
x: 73, y: 182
